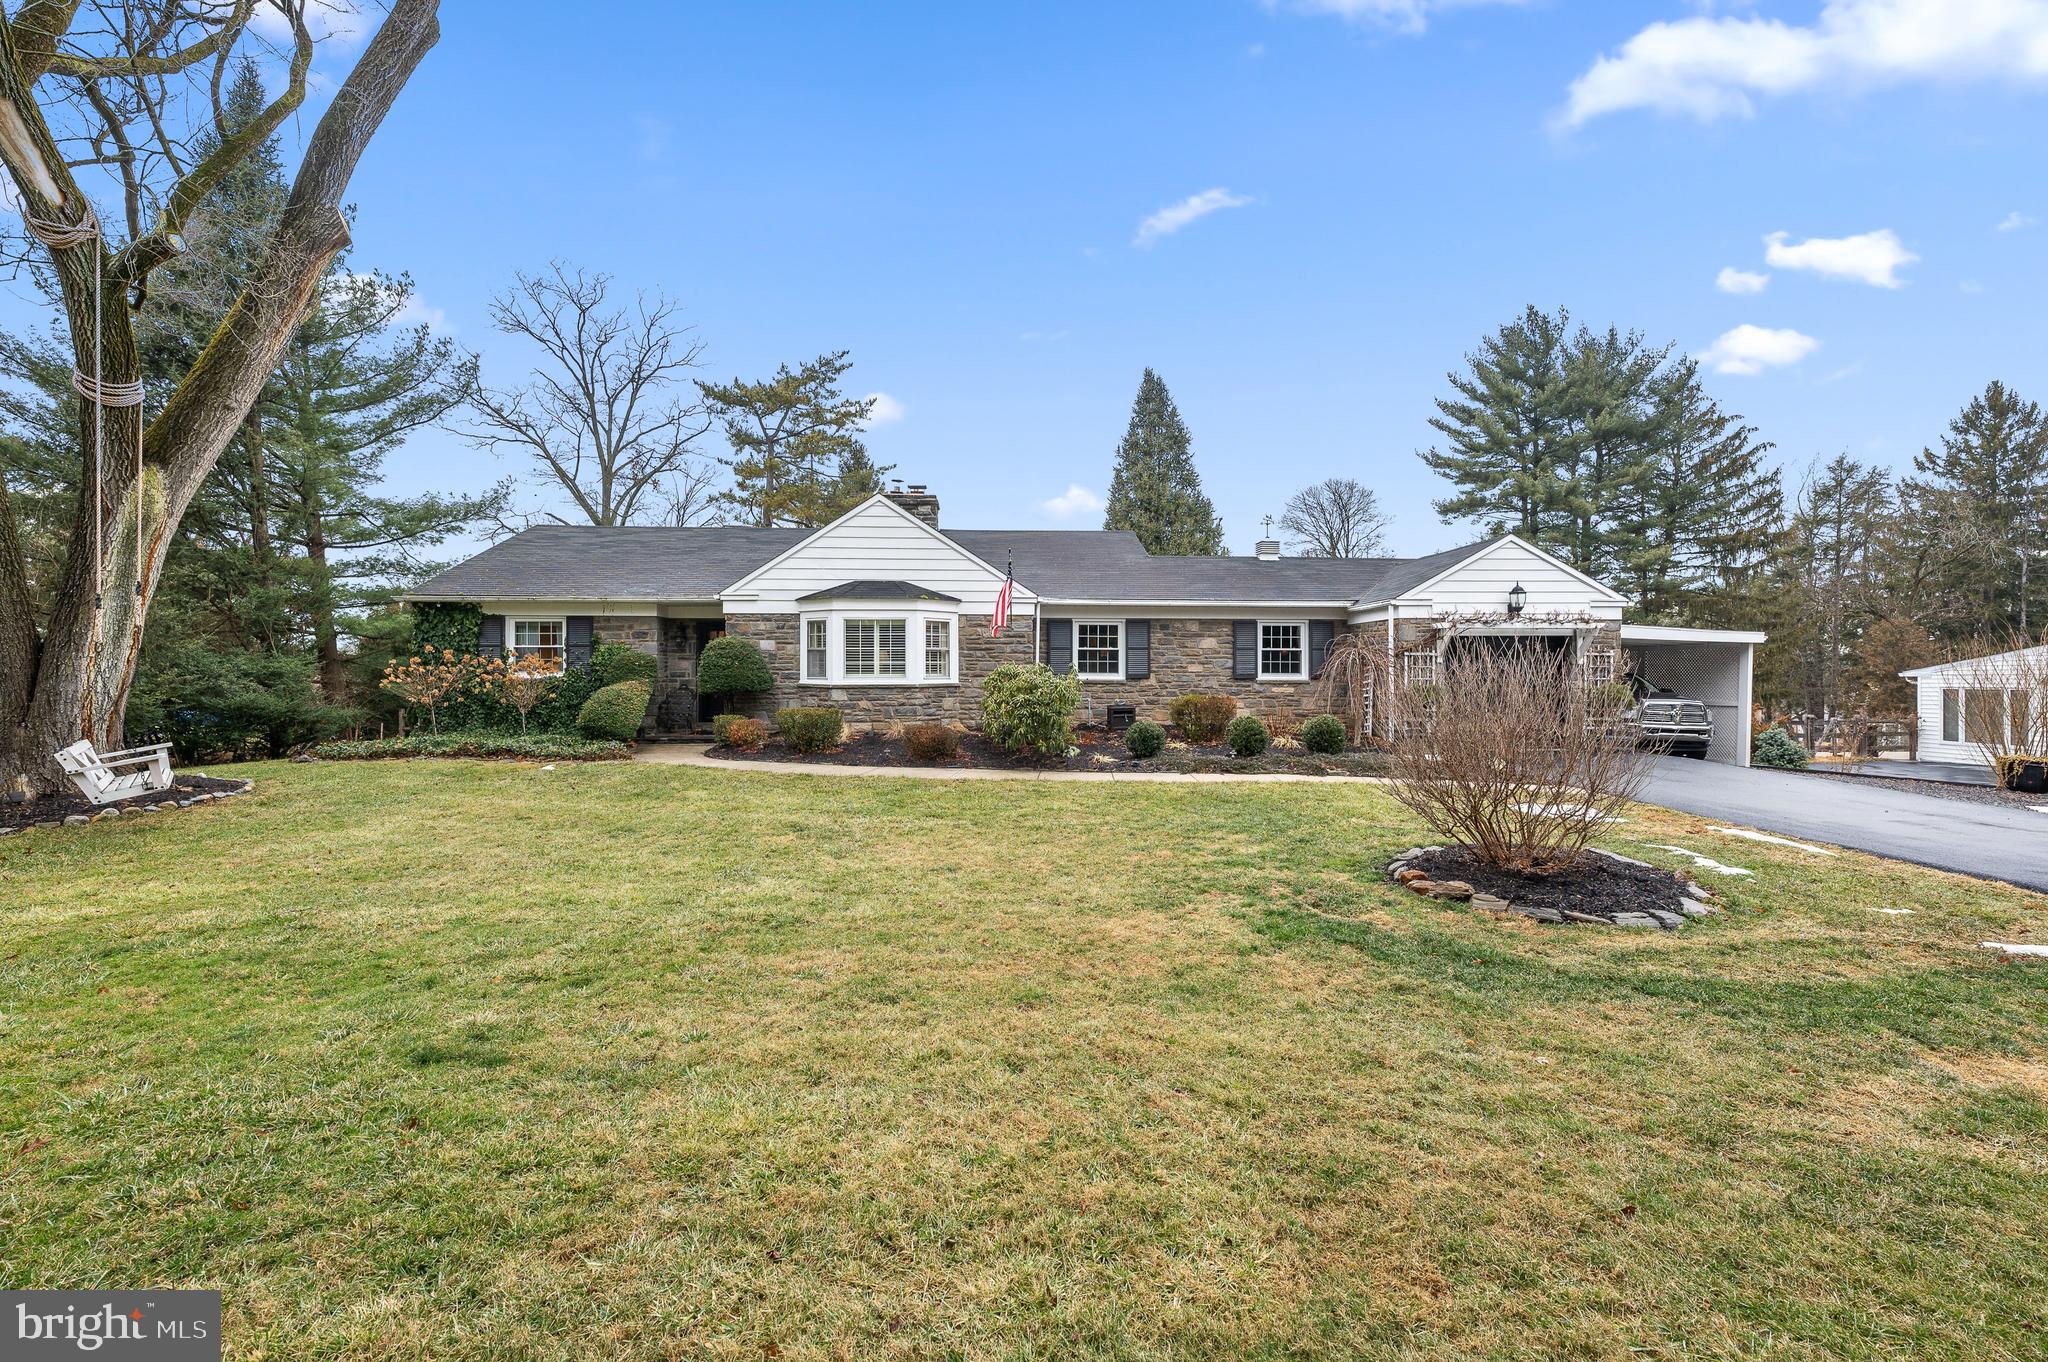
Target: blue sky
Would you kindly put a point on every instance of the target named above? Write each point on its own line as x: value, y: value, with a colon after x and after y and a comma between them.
x: 955, y: 194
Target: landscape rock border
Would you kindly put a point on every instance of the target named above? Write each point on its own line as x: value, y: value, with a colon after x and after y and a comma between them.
x: 1696, y: 902
x: 133, y: 807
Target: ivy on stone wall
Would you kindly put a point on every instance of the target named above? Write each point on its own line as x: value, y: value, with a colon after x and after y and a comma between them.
x: 457, y: 625
x: 447, y: 624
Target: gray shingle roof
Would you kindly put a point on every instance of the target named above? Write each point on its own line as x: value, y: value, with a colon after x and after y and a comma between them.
x: 878, y: 591
x: 599, y: 563
x: 635, y: 563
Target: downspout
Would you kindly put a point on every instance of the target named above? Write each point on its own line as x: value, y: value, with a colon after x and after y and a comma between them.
x: 1391, y: 608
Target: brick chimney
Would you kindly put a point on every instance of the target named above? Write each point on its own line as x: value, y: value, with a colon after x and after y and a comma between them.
x: 917, y: 500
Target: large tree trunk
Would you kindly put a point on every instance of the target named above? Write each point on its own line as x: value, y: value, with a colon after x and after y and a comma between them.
x: 73, y: 681
x: 320, y: 604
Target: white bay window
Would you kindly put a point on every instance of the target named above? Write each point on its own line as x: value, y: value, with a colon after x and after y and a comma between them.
x: 870, y: 643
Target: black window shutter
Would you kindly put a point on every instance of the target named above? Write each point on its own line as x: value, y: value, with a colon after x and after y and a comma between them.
x: 1244, y: 654
x: 1059, y: 645
x: 577, y: 639
x: 490, y: 636
x: 1137, y: 649
x: 1320, y: 633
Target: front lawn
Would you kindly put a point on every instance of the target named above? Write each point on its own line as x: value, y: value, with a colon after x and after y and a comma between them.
x: 468, y: 1060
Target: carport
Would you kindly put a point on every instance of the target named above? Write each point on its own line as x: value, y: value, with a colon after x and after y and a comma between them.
x: 1714, y: 666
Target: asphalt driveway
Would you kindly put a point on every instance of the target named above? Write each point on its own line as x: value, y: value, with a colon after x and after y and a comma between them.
x: 1995, y: 842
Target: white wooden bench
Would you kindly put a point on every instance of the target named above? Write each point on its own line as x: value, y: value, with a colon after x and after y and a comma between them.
x: 105, y: 778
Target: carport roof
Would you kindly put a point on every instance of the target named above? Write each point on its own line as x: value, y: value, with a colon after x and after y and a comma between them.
x: 1672, y: 633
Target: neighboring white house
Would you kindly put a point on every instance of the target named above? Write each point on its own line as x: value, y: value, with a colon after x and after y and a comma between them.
x: 1978, y: 705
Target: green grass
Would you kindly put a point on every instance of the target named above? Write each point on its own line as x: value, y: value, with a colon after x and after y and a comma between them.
x: 466, y: 1060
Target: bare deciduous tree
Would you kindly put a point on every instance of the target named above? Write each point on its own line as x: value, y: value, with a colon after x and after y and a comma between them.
x: 129, y: 94
x: 1506, y: 753
x: 1336, y: 518
x: 601, y: 418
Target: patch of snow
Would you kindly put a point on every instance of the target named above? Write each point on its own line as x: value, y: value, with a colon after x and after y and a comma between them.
x: 2011, y: 949
x: 1703, y: 862
x: 1894, y: 912
x: 1776, y: 841
x: 2039, y: 808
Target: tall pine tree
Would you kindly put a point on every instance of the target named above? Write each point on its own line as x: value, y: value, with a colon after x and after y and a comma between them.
x: 1978, y: 509
x: 1699, y: 524
x: 1509, y: 439
x: 1155, y: 492
x: 797, y: 453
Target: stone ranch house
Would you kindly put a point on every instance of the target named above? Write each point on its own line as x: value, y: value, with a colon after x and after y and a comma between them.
x: 884, y: 614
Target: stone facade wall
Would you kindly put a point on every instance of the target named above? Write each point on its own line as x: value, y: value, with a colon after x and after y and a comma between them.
x: 882, y: 706
x: 674, y: 704
x: 1195, y: 657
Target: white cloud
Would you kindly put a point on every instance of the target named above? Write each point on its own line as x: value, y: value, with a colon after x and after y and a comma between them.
x: 1409, y: 16
x: 1193, y: 208
x: 325, y: 19
x: 886, y: 410
x: 1717, y: 66
x: 1732, y: 280
x: 1255, y: 51
x: 411, y: 311
x: 1072, y: 504
x: 1752, y: 349
x: 1869, y: 257
x: 2015, y: 221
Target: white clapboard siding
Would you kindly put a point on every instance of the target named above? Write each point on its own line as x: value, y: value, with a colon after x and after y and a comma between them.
x: 1481, y: 584
x: 877, y: 541
x: 1998, y: 668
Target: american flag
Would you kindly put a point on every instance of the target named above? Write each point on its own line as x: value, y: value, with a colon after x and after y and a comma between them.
x: 1001, y: 620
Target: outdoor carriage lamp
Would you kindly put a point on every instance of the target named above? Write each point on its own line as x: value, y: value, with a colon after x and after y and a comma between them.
x: 1517, y: 598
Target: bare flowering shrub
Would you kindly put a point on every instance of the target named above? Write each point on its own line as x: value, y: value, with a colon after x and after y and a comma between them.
x: 1506, y: 753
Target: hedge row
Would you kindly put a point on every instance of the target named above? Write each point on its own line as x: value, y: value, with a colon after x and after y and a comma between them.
x: 537, y: 747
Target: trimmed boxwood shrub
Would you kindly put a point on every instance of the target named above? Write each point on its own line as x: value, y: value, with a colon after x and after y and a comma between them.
x: 1774, y: 747
x: 741, y: 733
x: 721, y: 724
x: 1324, y: 734
x: 1145, y: 739
x: 733, y: 666
x: 615, y: 712
x: 1029, y: 708
x: 1248, y: 736
x: 1202, y: 718
x: 931, y: 742
x: 810, y: 728
x: 611, y: 663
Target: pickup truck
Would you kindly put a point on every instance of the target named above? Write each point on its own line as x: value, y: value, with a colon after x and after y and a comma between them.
x: 1670, y: 722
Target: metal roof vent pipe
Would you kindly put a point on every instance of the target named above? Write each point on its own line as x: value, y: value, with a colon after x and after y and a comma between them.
x: 1269, y: 550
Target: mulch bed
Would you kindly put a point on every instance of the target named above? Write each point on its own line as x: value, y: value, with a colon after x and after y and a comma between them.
x: 1099, y: 750
x: 1599, y: 886
x: 56, y: 808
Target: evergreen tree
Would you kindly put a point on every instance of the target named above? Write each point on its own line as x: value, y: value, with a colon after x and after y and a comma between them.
x: 1830, y: 573
x: 1976, y: 513
x: 1697, y: 527
x: 1509, y: 435
x: 797, y: 454
x: 349, y: 391
x: 1613, y: 426
x: 1155, y: 492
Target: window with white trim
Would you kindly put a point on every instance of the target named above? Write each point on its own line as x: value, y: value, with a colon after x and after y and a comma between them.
x: 1418, y: 668
x: 1283, y: 651
x: 1099, y: 648
x: 814, y: 650
x: 938, y: 648
x: 545, y: 638
x: 877, y: 648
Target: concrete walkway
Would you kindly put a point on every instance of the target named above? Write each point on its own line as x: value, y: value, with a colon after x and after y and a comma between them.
x: 694, y: 754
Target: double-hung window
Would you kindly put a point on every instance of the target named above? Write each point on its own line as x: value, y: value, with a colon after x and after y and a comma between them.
x: 814, y: 650
x: 1283, y: 652
x: 876, y: 648
x: 1099, y: 648
x: 938, y: 648
x: 544, y: 638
